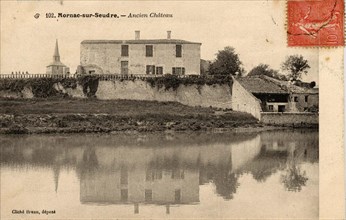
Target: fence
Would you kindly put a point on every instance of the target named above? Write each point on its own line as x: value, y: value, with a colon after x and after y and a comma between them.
x: 101, y: 76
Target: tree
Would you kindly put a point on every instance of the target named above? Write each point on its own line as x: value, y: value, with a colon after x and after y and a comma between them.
x: 264, y: 69
x: 226, y: 63
x: 295, y: 65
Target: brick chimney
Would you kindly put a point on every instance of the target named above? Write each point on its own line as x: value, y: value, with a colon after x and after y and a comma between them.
x: 169, y: 35
x: 137, y: 35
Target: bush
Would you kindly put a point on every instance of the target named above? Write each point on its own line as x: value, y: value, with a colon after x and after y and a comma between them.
x: 173, y: 81
x: 17, y: 129
x: 90, y: 84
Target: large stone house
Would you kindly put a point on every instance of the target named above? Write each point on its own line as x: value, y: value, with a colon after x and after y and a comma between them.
x: 140, y: 56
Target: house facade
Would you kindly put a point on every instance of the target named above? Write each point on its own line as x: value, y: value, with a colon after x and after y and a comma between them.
x: 302, y: 97
x: 281, y: 96
x: 147, y: 56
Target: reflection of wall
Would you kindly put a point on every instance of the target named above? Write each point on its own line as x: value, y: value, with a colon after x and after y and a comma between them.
x: 244, y: 152
x: 302, y: 144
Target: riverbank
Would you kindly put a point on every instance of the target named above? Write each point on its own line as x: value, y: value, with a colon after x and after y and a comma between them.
x: 92, y: 115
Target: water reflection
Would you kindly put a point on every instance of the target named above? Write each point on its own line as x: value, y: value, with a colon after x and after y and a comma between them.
x: 165, y: 170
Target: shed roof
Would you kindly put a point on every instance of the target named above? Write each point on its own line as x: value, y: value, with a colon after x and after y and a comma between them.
x: 144, y: 41
x: 261, y: 85
x: 293, y: 88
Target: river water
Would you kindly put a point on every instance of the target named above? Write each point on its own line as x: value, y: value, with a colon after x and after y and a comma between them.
x: 272, y: 174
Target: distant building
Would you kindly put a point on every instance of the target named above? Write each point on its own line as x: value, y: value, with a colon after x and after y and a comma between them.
x: 281, y: 96
x: 57, y: 67
x: 302, y: 97
x: 155, y: 56
x: 273, y: 97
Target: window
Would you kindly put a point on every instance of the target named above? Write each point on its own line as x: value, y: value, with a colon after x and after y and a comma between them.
x: 148, y: 195
x: 159, y: 70
x: 149, y: 50
x: 281, y: 108
x: 123, y: 176
x: 306, y: 98
x: 124, y: 195
x: 150, y: 69
x: 178, y: 50
x: 178, y: 174
x: 178, y: 71
x: 177, y: 195
x: 295, y: 98
x: 152, y: 175
x: 271, y: 107
x: 305, y: 109
x: 124, y: 50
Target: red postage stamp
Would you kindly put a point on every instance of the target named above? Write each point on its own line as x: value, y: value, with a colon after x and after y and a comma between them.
x: 315, y: 23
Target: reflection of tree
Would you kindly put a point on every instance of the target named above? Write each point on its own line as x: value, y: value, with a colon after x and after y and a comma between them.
x: 294, y: 178
x: 226, y: 182
x: 265, y: 164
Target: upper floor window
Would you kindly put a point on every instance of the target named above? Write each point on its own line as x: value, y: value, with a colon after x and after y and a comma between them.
x: 295, y: 98
x: 178, y: 50
x: 124, y: 50
x: 149, y: 50
x: 306, y: 98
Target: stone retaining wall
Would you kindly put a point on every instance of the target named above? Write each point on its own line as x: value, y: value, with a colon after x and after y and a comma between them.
x: 288, y: 118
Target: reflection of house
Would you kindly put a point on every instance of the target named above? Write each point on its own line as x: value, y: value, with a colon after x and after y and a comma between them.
x: 280, y: 96
x: 156, y: 56
x: 57, y: 67
x: 163, y: 176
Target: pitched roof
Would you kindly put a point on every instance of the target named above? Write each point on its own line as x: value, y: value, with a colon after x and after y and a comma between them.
x: 144, y: 41
x: 293, y: 88
x: 261, y: 85
x: 56, y: 63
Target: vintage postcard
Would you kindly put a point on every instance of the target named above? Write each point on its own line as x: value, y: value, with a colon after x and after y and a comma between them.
x: 172, y: 109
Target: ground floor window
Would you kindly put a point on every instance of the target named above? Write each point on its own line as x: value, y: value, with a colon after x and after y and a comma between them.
x: 150, y: 69
x: 178, y: 70
x: 159, y: 70
x: 281, y: 108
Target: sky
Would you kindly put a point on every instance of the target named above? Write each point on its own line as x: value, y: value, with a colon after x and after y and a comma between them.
x: 256, y: 29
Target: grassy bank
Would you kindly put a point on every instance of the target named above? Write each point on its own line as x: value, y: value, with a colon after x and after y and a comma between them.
x: 92, y: 115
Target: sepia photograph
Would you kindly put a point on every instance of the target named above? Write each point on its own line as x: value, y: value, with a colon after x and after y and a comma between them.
x: 172, y: 109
